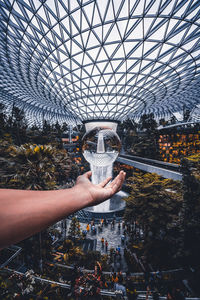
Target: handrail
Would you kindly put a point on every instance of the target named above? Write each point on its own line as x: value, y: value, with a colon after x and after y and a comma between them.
x: 13, y: 247
x: 103, y: 292
x: 153, y: 162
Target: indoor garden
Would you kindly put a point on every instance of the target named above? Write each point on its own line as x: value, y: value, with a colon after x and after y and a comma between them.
x: 91, y: 90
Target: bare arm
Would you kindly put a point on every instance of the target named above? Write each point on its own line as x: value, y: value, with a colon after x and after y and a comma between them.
x: 24, y: 213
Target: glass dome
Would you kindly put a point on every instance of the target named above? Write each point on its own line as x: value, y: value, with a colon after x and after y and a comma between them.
x: 80, y: 60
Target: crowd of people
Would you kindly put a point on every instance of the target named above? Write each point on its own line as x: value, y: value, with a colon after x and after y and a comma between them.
x: 120, y: 284
x: 89, y: 284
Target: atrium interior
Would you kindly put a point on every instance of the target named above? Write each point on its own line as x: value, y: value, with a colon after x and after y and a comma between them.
x: 102, y: 86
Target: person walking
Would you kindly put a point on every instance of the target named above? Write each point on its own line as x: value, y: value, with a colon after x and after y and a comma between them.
x: 102, y: 242
x: 106, y: 245
x: 119, y: 226
x: 88, y: 227
x: 118, y: 248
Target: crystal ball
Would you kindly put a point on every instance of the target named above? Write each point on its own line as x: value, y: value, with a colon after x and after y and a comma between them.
x: 101, y: 146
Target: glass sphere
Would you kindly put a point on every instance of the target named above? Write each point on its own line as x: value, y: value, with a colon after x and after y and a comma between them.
x: 101, y: 146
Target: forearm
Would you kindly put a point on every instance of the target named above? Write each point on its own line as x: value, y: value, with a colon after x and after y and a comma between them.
x: 25, y: 213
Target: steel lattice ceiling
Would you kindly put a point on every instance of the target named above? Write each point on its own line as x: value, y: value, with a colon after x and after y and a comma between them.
x: 75, y: 60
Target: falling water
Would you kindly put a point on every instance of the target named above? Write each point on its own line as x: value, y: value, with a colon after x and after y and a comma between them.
x: 101, y: 167
x: 98, y: 175
x: 101, y: 147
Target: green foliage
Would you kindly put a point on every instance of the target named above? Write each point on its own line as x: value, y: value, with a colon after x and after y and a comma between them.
x: 155, y: 203
x: 35, y: 167
x: 16, y: 125
x: 74, y: 229
x: 91, y: 257
x: 145, y: 145
x: 140, y: 139
x: 148, y: 123
x: 191, y: 209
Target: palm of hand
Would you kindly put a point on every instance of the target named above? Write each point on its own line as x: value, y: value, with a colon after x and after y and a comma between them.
x: 100, y: 192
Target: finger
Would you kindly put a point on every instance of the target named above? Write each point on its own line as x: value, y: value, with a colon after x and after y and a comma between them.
x: 103, y: 183
x: 88, y: 174
x: 120, y: 177
x: 117, y: 183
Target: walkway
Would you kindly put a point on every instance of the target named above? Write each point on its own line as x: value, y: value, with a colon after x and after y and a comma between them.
x: 112, y: 235
x: 164, y: 169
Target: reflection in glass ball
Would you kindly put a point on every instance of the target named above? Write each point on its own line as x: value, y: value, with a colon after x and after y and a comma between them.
x: 101, y: 146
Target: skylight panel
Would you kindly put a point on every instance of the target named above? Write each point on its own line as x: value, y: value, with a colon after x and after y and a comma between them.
x: 119, y: 52
x: 16, y: 7
x: 73, y: 4
x: 181, y: 8
x: 148, y: 23
x: 93, y: 41
x: 140, y: 8
x: 113, y: 35
x: 159, y: 28
x: 75, y: 48
x: 176, y: 39
x: 153, y: 9
x: 124, y: 12
x: 196, y: 53
x: 193, y: 14
x: 102, y: 8
x: 129, y: 46
x: 138, y: 52
x: 136, y: 31
x: 73, y: 27
x: 109, y: 14
x: 168, y: 6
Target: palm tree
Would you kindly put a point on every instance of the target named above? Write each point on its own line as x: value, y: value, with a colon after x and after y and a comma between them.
x: 35, y: 167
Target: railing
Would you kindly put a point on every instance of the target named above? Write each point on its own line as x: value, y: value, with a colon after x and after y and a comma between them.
x: 141, y: 294
x: 16, y: 251
x: 153, y: 162
x: 164, y: 169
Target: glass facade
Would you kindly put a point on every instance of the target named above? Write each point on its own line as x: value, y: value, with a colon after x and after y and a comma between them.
x: 80, y: 60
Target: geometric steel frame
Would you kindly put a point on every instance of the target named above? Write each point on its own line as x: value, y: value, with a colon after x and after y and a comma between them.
x: 78, y: 60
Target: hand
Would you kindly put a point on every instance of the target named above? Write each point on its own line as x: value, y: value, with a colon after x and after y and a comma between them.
x: 98, y: 193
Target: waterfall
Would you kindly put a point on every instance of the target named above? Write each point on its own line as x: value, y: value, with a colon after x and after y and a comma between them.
x: 101, y: 146
x: 101, y: 165
x: 99, y: 174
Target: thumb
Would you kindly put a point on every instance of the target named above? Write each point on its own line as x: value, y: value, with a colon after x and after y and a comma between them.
x: 88, y: 174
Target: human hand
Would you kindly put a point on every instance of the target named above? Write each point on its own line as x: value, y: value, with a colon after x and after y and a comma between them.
x: 97, y: 193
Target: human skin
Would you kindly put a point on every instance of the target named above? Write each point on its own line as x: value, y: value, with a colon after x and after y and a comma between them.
x: 24, y: 212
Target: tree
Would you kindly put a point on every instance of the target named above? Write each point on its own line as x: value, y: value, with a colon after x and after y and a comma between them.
x: 3, y: 120
x: 163, y: 122
x: 17, y: 125
x: 155, y: 203
x: 190, y: 224
x: 173, y: 120
x: 186, y: 114
x: 35, y: 167
x: 146, y: 143
x: 74, y: 229
x: 148, y: 123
